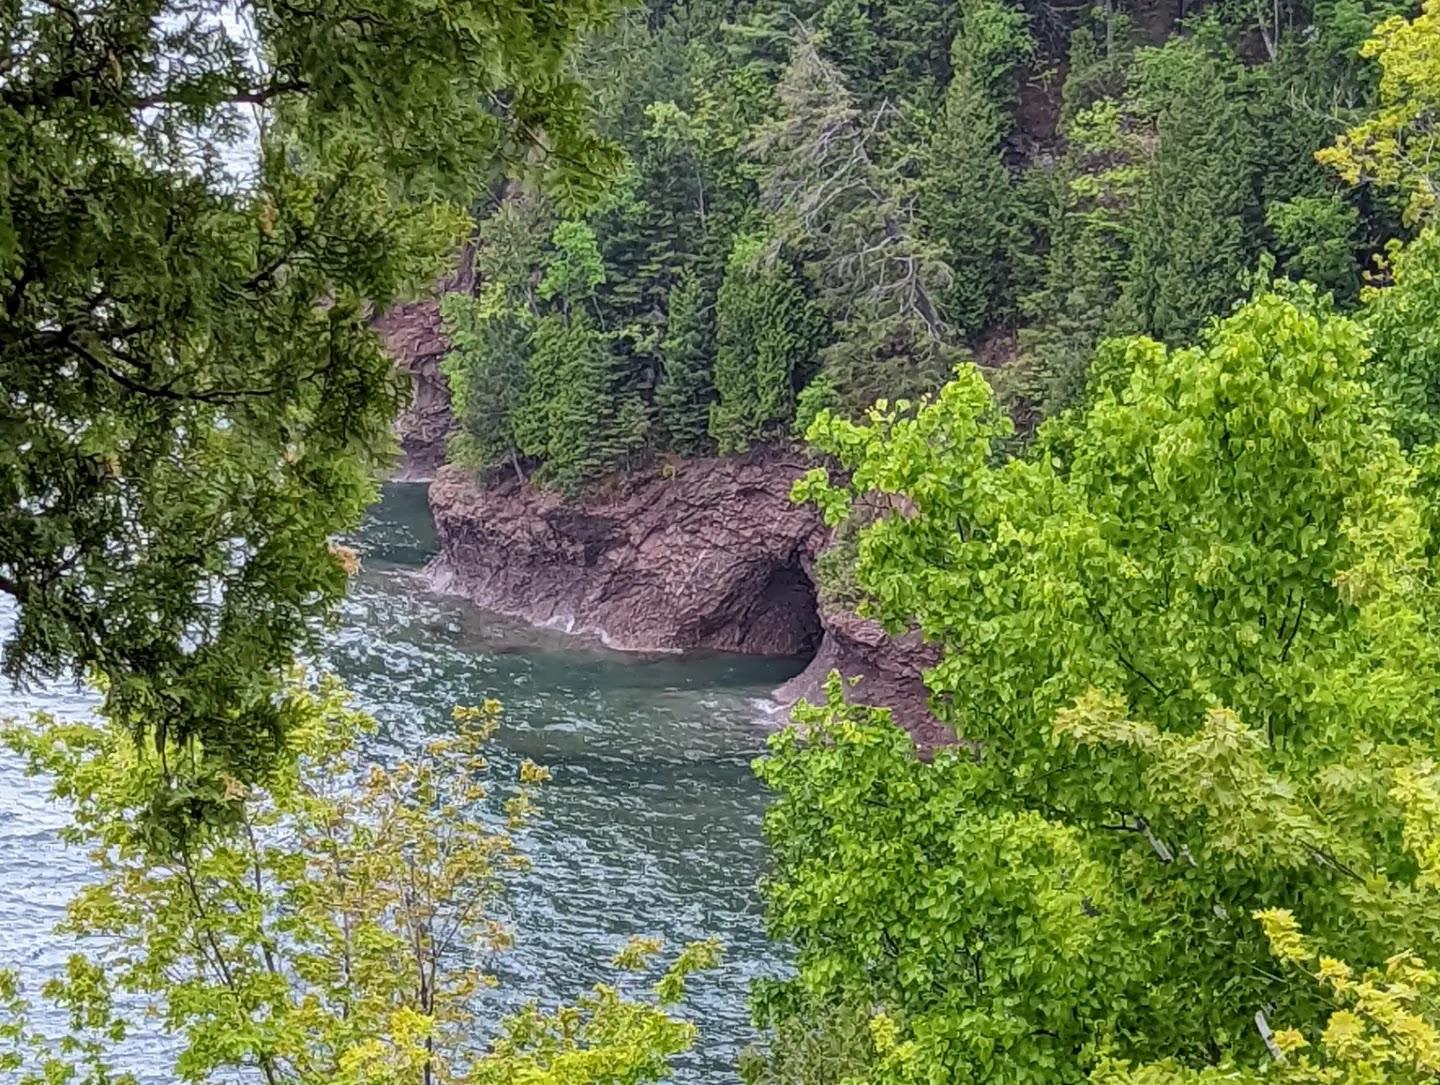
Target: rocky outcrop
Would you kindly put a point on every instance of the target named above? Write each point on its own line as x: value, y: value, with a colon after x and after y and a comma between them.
x: 414, y: 337
x: 888, y: 671
x: 691, y: 554
x: 705, y: 553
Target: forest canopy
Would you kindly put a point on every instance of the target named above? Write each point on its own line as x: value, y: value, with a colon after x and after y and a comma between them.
x: 828, y: 202
x: 1113, y: 330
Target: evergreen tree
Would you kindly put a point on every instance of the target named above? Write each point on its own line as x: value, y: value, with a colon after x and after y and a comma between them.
x: 885, y: 150
x: 1197, y: 204
x: 967, y: 199
x: 687, y: 388
x: 488, y: 365
x: 850, y: 216
x: 888, y: 50
x: 580, y: 417
x: 192, y: 401
x: 1315, y: 239
x: 1094, y: 191
x: 767, y: 333
x: 486, y: 369
x: 587, y: 426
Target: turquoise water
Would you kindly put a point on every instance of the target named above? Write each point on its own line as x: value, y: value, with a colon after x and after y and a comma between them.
x: 650, y: 825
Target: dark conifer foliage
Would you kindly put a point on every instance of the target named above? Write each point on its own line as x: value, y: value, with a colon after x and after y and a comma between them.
x: 201, y: 206
x: 858, y: 195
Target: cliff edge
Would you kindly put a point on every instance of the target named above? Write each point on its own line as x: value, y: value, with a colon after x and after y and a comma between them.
x: 692, y: 554
x: 706, y: 553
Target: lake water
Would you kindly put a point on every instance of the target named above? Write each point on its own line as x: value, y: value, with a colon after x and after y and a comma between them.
x: 651, y: 824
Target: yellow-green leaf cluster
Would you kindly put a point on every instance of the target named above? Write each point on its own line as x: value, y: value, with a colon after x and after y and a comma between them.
x: 332, y: 924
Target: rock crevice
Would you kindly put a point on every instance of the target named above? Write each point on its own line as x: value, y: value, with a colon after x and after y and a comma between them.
x: 414, y: 335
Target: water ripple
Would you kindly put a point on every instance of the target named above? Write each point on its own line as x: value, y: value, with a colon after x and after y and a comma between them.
x: 650, y: 826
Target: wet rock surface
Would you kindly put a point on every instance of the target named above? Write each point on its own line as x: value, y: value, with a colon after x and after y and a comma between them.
x: 888, y: 672
x: 414, y: 336
x: 688, y: 555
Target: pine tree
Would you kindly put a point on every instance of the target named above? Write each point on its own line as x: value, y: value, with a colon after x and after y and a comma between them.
x: 581, y: 423
x: 579, y: 416
x: 850, y: 216
x: 967, y: 200
x: 887, y: 50
x: 767, y: 333
x: 687, y: 386
x: 1198, y: 203
x: 1093, y: 191
x: 488, y: 365
x: 487, y: 369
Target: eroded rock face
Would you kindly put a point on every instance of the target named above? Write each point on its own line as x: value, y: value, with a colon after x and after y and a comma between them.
x: 704, y: 553
x: 889, y: 671
x: 414, y: 337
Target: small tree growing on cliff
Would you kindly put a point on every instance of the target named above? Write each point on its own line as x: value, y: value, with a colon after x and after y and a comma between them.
x: 333, y: 926
x: 487, y: 369
x: 687, y: 387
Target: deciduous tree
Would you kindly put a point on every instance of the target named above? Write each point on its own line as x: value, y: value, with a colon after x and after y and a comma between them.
x: 1187, y: 648
x: 336, y: 926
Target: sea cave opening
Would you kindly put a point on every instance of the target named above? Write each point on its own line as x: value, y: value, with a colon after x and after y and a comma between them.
x: 784, y: 617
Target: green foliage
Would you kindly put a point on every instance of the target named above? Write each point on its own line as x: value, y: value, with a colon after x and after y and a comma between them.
x: 1385, y: 1021
x: 819, y: 395
x: 891, y: 51
x: 531, y: 376
x: 846, y: 211
x: 1187, y: 646
x: 1025, y: 180
x: 1315, y: 236
x: 579, y: 423
x: 767, y: 332
x: 332, y: 927
x: 573, y: 269
x: 1393, y: 147
x: 193, y: 400
x: 835, y: 581
x: 487, y: 370
x: 824, y: 1044
x: 687, y: 388
x: 1096, y: 189
x: 966, y: 195
x: 1177, y: 161
x: 1403, y: 320
x: 1196, y: 210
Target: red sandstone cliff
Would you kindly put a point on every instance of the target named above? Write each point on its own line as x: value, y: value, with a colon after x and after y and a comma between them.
x: 413, y: 336
x: 888, y: 671
x: 704, y: 553
x: 692, y: 554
